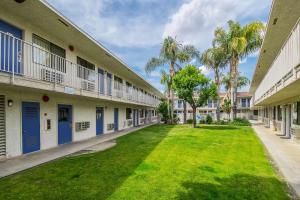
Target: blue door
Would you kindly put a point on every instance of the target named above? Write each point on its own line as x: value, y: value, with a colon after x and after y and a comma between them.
x: 64, y: 124
x: 137, y: 117
x: 30, y: 127
x: 99, y: 120
x: 116, y: 119
x: 11, y: 45
x: 134, y: 118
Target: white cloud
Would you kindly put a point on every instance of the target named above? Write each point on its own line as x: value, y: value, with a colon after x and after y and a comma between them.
x: 196, y: 20
x: 204, y: 70
x: 116, y: 28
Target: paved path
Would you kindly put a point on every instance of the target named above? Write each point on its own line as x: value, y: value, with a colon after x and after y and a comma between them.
x: 285, y: 154
x: 20, y: 163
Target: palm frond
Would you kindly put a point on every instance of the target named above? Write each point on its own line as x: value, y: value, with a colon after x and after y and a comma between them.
x: 153, y: 64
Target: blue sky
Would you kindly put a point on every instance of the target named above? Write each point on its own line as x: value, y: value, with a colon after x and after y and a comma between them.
x: 134, y: 29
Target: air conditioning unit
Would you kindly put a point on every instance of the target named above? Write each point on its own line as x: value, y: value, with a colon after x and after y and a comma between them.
x: 85, y: 85
x: 110, y: 127
x: 129, y: 122
x: 81, y: 126
x: 51, y: 76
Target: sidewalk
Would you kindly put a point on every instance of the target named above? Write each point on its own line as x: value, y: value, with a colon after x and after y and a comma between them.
x: 20, y: 163
x: 285, y: 154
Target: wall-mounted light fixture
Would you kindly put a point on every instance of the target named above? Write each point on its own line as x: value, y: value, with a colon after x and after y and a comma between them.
x: 10, y: 103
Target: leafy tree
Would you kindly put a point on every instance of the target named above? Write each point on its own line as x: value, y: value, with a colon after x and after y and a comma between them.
x: 226, y: 107
x: 215, y: 59
x: 172, y: 54
x: 193, y: 87
x: 163, y: 110
x: 238, y: 42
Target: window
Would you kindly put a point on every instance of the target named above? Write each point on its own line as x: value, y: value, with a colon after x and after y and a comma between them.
x: 244, y: 103
x: 128, y: 113
x: 274, y: 113
x: 180, y: 103
x: 255, y: 112
x: 141, y: 113
x: 48, y: 54
x: 210, y: 103
x: 118, y: 83
x: 101, y: 80
x: 108, y: 83
x: 128, y: 87
x: 63, y: 114
x: 298, y: 113
x: 279, y: 114
x: 85, y: 69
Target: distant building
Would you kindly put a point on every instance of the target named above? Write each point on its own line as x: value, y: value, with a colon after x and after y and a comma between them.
x: 276, y: 81
x: 243, y: 108
x: 58, y: 85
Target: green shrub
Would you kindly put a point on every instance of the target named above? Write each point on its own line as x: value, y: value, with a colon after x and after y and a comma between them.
x: 221, y: 122
x: 208, y: 119
x: 202, y: 121
x: 240, y: 122
x: 189, y: 121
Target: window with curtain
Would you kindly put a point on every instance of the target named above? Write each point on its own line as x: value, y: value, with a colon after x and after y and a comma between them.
x: 48, y: 54
x: 85, y: 70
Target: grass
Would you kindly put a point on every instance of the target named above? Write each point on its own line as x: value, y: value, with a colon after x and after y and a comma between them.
x: 159, y: 162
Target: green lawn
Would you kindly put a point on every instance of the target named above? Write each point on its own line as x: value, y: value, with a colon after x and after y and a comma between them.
x: 159, y: 162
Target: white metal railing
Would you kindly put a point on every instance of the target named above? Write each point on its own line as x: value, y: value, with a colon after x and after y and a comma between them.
x: 284, y: 66
x: 21, y: 59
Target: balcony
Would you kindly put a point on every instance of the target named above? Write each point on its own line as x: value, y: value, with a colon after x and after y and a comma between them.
x: 23, y: 64
x: 284, y: 70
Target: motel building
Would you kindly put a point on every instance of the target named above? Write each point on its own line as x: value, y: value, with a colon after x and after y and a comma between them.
x: 243, y: 108
x: 276, y: 84
x: 58, y: 85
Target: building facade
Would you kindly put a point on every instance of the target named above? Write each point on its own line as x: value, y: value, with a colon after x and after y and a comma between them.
x: 243, y: 108
x: 58, y: 85
x: 276, y: 84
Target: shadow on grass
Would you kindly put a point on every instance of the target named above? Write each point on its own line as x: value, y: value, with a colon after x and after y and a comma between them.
x: 217, y: 127
x: 239, y: 186
x: 90, y: 176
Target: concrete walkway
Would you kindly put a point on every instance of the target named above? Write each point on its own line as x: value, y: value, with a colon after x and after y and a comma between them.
x: 20, y: 163
x: 285, y: 154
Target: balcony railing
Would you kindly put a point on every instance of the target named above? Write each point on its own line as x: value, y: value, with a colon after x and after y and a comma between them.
x: 284, y: 69
x: 20, y: 59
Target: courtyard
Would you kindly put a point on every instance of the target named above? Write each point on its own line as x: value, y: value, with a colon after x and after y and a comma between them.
x: 159, y: 162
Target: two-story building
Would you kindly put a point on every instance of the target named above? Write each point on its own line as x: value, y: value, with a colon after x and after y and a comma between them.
x: 59, y: 85
x: 243, y: 108
x: 276, y: 85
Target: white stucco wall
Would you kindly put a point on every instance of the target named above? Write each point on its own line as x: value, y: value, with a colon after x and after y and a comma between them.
x: 83, y: 110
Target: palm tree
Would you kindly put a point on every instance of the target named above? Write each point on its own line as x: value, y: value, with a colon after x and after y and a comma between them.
x: 242, y: 81
x: 172, y: 54
x: 238, y: 42
x: 165, y: 80
x: 215, y: 59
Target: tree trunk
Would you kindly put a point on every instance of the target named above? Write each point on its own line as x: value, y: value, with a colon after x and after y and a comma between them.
x: 194, y: 117
x: 172, y: 74
x: 184, y: 112
x: 217, y: 81
x: 233, y: 86
x: 168, y: 99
